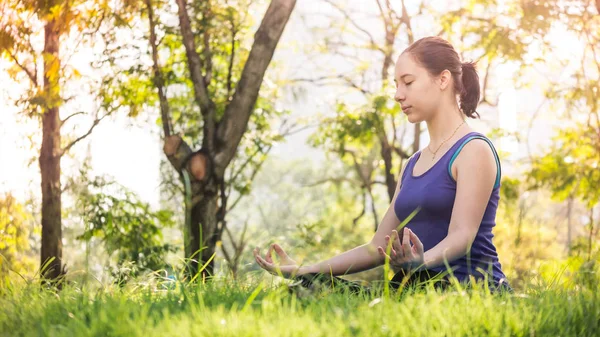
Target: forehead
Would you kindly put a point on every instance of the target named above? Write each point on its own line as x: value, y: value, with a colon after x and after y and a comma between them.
x: 406, y: 64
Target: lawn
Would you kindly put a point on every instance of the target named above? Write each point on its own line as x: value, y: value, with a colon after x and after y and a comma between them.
x: 225, y: 308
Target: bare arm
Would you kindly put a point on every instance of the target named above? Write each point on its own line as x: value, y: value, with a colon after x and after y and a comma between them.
x: 475, y: 177
x: 362, y: 257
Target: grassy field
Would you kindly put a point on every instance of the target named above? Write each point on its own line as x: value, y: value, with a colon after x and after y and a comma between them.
x: 228, y: 309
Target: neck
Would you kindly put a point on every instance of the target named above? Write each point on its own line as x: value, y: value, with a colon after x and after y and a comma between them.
x: 442, y: 125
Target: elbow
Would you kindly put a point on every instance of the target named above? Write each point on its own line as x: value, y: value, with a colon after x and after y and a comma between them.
x: 463, y: 237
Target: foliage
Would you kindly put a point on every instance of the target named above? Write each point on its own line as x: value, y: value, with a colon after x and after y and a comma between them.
x: 129, y: 229
x: 570, y: 166
x: 15, y: 224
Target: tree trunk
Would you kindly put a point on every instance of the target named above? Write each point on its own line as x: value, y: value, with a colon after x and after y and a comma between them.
x: 49, y: 160
x: 417, y: 138
x: 205, y: 233
x: 405, y: 18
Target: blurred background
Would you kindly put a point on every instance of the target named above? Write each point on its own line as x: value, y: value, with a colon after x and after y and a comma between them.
x: 280, y: 115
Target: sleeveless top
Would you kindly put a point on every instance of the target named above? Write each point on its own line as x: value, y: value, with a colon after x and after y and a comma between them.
x: 433, y: 193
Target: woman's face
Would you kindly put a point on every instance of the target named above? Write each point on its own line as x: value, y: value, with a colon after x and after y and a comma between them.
x: 417, y: 91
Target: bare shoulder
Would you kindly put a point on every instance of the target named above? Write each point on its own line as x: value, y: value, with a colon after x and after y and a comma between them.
x: 478, y: 148
x: 477, y: 154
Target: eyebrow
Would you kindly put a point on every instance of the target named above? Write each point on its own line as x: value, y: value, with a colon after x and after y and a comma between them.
x: 403, y: 76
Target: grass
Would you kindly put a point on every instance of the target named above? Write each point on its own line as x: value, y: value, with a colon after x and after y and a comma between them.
x: 224, y: 308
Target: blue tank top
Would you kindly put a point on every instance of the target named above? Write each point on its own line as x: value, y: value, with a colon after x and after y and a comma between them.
x: 434, y: 192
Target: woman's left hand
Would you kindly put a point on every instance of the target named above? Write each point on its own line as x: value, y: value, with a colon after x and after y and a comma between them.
x: 403, y: 255
x: 285, y: 267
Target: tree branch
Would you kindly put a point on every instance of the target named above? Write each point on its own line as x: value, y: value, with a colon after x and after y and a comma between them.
x: 68, y: 117
x: 27, y: 71
x: 356, y: 86
x: 406, y: 20
x: 316, y: 79
x: 206, y: 50
x: 231, y: 58
x: 393, y: 14
x: 364, y: 210
x: 207, y: 106
x: 401, y: 152
x: 237, y: 114
x: 485, y: 86
x: 292, y: 131
x: 328, y: 180
x: 343, y: 77
x: 347, y: 16
x: 94, y: 124
x: 158, y: 79
x: 226, y: 254
x: 395, y: 138
x: 373, y: 209
x: 256, y: 170
x: 248, y: 160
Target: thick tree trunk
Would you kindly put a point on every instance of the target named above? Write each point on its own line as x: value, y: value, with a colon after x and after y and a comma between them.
x: 204, y: 233
x: 50, y: 161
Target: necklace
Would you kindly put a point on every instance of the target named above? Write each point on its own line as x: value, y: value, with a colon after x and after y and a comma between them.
x: 439, y: 147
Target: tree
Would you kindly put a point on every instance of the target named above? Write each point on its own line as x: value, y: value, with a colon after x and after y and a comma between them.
x: 225, y: 101
x: 47, y: 72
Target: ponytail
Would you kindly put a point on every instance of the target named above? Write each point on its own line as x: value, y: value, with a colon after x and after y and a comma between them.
x: 470, y: 93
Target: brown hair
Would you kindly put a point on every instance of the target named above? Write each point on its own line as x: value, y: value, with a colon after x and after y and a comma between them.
x: 437, y: 55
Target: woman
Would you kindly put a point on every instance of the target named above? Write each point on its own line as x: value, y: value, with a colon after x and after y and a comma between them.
x: 451, y: 188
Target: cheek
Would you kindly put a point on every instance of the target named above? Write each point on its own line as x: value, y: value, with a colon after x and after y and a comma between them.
x: 428, y: 96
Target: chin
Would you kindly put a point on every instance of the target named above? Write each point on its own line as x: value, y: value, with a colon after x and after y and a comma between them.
x: 412, y: 118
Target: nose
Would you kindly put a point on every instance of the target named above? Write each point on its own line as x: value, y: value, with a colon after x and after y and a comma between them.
x: 399, y: 96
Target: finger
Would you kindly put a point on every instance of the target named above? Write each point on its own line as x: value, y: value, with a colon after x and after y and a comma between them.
x: 388, y: 244
x: 396, y: 243
x: 264, y: 264
x: 269, y: 257
x: 382, y: 253
x: 280, y: 251
x: 406, y: 243
x: 257, y: 257
x: 415, y: 240
x: 258, y: 261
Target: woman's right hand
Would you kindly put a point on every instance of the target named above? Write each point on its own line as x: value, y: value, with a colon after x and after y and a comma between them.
x: 406, y: 251
x: 285, y: 267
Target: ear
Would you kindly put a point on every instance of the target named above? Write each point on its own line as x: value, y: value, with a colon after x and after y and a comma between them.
x: 444, y: 79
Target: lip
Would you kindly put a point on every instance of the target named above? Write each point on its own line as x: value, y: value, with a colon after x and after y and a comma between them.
x: 406, y: 108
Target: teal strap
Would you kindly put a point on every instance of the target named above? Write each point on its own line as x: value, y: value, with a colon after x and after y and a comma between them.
x: 497, y: 184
